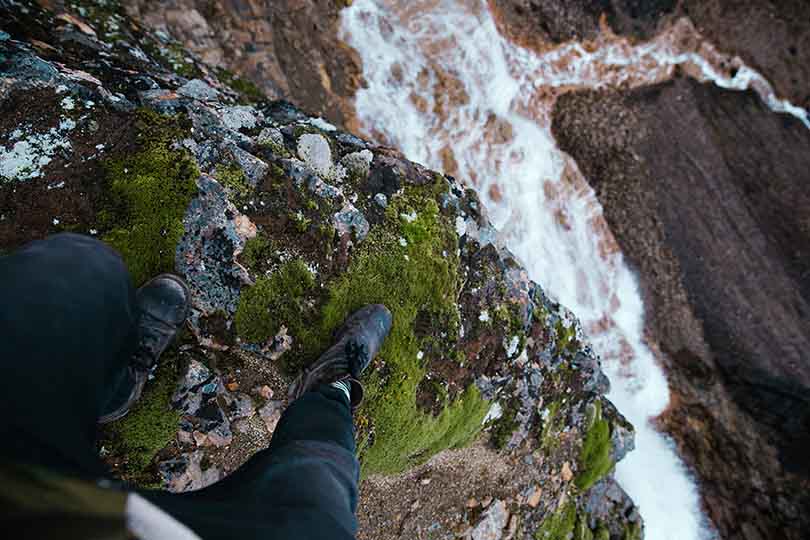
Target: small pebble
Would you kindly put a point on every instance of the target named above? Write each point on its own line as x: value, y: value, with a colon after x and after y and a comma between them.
x: 567, y: 474
x: 534, y: 498
x: 265, y: 391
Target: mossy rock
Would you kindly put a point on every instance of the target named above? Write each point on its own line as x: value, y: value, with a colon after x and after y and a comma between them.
x: 249, y: 91
x: 594, y: 459
x: 558, y: 526
x: 504, y: 427
x: 412, y: 268
x: 148, y: 192
x: 568, y: 523
x: 274, y: 301
x: 150, y: 426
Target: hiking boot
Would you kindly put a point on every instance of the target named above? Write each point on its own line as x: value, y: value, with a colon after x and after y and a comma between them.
x: 356, y: 344
x: 163, y: 303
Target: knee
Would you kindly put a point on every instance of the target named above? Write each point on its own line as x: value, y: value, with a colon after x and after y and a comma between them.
x: 71, y: 254
x: 89, y: 248
x: 68, y: 240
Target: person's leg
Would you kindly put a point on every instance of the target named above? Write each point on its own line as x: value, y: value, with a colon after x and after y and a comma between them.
x: 303, y: 486
x: 68, y: 327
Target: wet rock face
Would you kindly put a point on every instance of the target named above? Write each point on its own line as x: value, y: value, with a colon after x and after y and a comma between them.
x: 705, y: 190
x: 283, y: 225
x: 771, y: 37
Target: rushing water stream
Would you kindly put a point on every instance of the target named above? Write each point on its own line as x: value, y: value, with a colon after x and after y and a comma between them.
x: 450, y: 92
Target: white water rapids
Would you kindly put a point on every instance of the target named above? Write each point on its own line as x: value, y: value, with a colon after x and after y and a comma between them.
x: 449, y: 91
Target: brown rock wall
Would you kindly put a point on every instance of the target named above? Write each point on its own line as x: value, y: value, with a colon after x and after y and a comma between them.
x: 289, y: 48
x: 705, y: 191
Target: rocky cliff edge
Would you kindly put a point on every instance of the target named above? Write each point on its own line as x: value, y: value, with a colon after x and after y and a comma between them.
x: 282, y: 225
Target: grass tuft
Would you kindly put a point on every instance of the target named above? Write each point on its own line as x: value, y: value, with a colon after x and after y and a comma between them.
x: 594, y: 459
x: 558, y: 526
x: 274, y: 301
x: 150, y: 425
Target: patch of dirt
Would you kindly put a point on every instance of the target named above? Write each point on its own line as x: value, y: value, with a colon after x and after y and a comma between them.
x: 68, y: 194
x: 444, y: 496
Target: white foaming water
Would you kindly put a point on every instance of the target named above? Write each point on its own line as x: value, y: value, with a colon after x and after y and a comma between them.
x: 450, y: 92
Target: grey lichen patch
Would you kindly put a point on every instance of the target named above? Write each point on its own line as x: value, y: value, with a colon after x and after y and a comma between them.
x: 316, y: 152
x: 272, y: 139
x: 239, y: 117
x: 199, y: 89
x: 28, y: 152
x: 351, y: 223
x: 358, y: 164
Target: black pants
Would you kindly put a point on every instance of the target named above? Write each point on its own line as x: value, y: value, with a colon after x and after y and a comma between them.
x: 67, y: 330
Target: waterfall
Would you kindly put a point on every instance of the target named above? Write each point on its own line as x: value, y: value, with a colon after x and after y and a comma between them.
x: 449, y: 91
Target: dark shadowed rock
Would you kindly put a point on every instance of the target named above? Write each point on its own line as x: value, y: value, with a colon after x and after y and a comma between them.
x: 706, y: 191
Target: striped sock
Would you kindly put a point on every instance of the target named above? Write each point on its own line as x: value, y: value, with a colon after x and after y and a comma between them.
x: 343, y: 386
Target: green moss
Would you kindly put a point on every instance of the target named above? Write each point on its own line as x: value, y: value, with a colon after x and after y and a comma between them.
x: 417, y: 279
x: 566, y: 337
x: 411, y: 280
x: 552, y: 425
x: 151, y: 424
x: 302, y: 222
x: 275, y: 301
x: 233, y: 179
x: 279, y: 151
x: 148, y: 193
x: 257, y: 251
x: 175, y: 54
x: 505, y: 426
x: 594, y: 459
x: 106, y: 17
x: 540, y: 313
x: 247, y: 88
x: 602, y: 533
x: 581, y: 529
x: 508, y: 315
x: 559, y: 525
x: 632, y: 531
x: 566, y: 524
